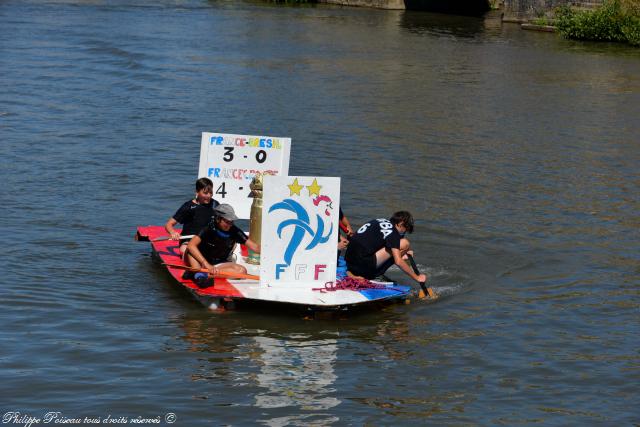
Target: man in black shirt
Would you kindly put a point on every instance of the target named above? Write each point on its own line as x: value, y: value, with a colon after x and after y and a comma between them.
x: 379, y: 244
x: 213, y: 246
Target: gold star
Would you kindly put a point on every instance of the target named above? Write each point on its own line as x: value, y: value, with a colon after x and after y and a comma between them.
x: 314, y: 188
x: 294, y: 187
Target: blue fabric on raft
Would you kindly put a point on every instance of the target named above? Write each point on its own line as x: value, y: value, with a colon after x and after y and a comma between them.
x: 391, y: 291
x: 395, y: 291
x: 341, y: 268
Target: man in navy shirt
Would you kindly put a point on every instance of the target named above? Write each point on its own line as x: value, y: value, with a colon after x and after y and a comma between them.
x: 379, y: 244
x: 194, y: 214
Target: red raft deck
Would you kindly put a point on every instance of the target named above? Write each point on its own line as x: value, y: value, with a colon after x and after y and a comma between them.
x: 227, y: 290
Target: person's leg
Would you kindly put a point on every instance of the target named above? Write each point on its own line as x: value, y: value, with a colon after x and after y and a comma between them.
x: 231, y: 267
x: 183, y: 249
x: 384, y: 257
x: 405, y: 247
x: 191, y: 261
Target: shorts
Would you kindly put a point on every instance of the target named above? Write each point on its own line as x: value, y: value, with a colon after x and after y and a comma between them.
x: 361, y: 264
x: 216, y: 261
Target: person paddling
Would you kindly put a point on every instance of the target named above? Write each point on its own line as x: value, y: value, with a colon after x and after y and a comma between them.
x: 379, y: 244
x: 213, y: 246
x: 194, y: 214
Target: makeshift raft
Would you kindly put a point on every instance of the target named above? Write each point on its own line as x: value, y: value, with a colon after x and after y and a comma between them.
x: 341, y: 295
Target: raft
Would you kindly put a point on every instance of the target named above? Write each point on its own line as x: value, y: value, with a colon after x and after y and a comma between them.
x: 227, y: 292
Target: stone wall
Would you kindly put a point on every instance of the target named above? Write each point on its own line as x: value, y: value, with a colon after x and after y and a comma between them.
x: 525, y: 10
x: 514, y: 10
x: 378, y: 4
x: 461, y: 7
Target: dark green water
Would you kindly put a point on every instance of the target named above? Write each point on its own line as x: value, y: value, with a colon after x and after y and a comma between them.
x: 517, y: 152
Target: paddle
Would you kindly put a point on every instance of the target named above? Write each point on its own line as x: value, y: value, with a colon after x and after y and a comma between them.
x: 222, y: 274
x: 160, y: 239
x: 141, y: 238
x: 424, y: 290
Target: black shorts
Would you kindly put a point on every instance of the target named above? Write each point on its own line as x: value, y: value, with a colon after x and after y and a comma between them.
x: 365, y: 267
x: 216, y: 261
x: 361, y: 264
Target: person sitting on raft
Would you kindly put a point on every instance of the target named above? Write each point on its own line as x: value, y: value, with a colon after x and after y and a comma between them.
x: 213, y: 246
x: 379, y: 244
x: 194, y: 214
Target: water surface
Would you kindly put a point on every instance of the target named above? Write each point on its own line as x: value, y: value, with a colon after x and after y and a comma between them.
x: 516, y: 151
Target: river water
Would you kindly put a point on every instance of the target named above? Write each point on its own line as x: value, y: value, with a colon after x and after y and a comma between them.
x: 516, y: 151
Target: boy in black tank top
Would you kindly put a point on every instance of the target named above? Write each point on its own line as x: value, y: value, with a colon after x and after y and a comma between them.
x: 194, y: 214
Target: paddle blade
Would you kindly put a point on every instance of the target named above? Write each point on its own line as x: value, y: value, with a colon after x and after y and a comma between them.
x: 424, y: 291
x: 140, y: 238
x: 429, y: 294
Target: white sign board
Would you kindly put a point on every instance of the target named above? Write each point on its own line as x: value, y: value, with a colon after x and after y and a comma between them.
x: 299, y: 230
x: 231, y: 162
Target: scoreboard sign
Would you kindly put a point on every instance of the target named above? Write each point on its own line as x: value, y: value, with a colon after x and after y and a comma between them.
x: 231, y: 161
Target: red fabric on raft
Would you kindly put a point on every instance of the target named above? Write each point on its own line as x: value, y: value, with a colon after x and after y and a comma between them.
x: 169, y: 252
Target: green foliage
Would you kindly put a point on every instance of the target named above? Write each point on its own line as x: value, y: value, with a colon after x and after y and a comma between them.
x: 543, y: 20
x: 613, y: 21
x: 631, y: 30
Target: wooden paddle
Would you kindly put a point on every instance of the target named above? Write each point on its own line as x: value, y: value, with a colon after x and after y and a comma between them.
x: 160, y: 239
x: 221, y: 274
x: 141, y: 238
x: 424, y: 291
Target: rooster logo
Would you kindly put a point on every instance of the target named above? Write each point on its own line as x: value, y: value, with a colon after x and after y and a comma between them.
x: 302, y: 225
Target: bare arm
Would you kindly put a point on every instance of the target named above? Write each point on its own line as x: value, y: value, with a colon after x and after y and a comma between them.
x: 346, y: 225
x: 252, y: 245
x: 172, y: 231
x: 342, y: 243
x: 397, y: 259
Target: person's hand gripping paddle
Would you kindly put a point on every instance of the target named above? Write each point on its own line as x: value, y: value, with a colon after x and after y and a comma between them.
x: 424, y: 291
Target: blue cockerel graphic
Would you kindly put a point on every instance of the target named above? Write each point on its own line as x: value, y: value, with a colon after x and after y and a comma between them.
x: 302, y: 225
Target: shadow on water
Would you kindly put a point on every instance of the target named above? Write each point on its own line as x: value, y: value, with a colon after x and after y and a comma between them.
x: 440, y: 24
x: 455, y: 7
